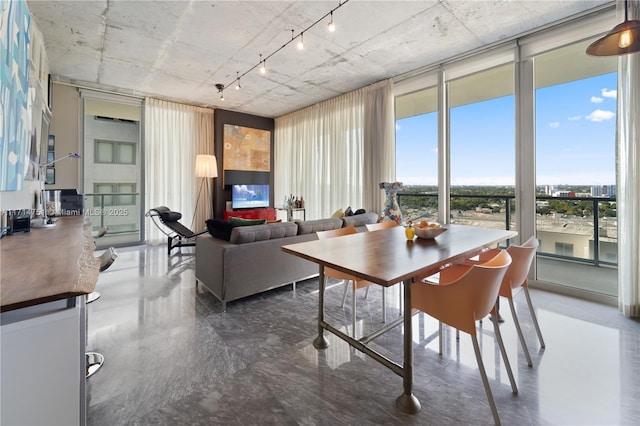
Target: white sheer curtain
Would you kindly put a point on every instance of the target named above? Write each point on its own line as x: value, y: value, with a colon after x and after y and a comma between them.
x: 174, y: 135
x: 380, y: 148
x: 321, y: 152
x: 628, y: 159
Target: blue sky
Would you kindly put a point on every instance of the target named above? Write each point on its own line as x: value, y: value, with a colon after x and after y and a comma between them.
x: 575, y: 139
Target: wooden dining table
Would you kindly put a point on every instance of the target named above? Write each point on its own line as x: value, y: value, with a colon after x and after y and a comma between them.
x: 386, y: 257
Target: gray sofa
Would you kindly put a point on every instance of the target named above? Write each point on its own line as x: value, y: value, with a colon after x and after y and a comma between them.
x: 252, y: 260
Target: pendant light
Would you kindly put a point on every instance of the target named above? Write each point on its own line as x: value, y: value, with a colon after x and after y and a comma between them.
x: 220, y: 88
x: 623, y: 39
x: 331, y: 26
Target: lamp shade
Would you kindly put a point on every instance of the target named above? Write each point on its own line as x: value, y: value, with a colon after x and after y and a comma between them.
x: 623, y: 39
x: 206, y: 166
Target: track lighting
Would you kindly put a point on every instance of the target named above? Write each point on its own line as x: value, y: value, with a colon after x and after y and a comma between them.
x: 262, y: 65
x: 220, y: 88
x: 263, y: 68
x: 624, y: 38
x: 331, y: 26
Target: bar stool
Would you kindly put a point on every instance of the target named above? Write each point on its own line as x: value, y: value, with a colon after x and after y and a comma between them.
x: 95, y: 360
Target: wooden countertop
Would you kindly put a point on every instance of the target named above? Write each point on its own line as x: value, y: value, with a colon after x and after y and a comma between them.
x: 47, y: 264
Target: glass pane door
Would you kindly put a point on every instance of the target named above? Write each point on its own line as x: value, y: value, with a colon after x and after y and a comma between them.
x: 112, y: 170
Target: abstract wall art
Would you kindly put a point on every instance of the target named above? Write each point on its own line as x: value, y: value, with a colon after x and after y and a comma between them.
x: 15, y: 120
x: 246, y: 149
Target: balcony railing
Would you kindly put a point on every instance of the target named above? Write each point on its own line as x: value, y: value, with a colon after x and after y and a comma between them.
x: 584, y: 226
x: 119, y: 212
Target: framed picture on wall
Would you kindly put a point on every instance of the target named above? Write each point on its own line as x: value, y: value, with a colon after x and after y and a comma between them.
x: 246, y: 149
x: 50, y: 178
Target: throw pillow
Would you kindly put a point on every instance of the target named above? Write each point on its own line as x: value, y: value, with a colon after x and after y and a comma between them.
x: 348, y: 211
x: 338, y: 213
x: 219, y: 229
x: 238, y: 221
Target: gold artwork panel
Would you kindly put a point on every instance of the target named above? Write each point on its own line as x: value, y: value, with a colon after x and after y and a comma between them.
x: 246, y: 149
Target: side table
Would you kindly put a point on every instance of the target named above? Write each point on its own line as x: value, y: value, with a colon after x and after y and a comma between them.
x: 290, y: 211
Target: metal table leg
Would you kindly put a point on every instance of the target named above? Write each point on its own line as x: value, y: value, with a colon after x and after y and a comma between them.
x: 321, y: 342
x: 407, y: 402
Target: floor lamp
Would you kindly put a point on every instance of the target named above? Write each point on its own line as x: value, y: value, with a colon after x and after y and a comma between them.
x: 206, y: 168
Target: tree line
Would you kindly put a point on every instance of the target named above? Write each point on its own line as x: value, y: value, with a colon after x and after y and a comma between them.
x: 426, y: 198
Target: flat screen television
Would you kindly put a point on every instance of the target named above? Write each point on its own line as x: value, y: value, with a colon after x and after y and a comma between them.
x: 249, y: 196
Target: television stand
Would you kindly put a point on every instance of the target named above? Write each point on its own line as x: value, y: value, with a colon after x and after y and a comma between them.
x: 266, y: 213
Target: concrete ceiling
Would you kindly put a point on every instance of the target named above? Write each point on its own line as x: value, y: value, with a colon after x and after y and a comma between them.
x: 179, y: 50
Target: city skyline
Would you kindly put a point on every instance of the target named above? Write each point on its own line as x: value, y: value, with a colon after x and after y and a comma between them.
x: 575, y: 139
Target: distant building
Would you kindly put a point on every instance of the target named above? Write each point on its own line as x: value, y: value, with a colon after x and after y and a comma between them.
x: 603, y: 191
x: 550, y: 189
x: 570, y: 194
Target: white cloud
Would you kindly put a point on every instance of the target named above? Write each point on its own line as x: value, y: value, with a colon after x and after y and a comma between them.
x: 554, y: 125
x: 596, y: 100
x: 599, y: 115
x: 397, y: 127
x: 575, y: 118
x: 609, y: 93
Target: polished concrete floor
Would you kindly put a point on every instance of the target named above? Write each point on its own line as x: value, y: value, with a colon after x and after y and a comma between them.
x: 173, y: 358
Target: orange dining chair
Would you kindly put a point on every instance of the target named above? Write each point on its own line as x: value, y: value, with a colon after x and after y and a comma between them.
x: 514, y: 280
x: 380, y: 225
x: 465, y: 300
x: 356, y: 282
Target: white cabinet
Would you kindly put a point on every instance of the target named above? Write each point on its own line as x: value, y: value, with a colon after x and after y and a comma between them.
x: 42, y: 364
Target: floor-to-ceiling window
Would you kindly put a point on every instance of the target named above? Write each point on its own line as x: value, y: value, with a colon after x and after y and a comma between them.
x: 526, y: 141
x: 113, y: 167
x: 575, y: 108
x: 482, y: 146
x: 417, y: 153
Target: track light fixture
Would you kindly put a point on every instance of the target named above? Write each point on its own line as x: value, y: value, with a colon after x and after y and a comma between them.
x: 623, y: 39
x: 262, y: 64
x: 220, y: 88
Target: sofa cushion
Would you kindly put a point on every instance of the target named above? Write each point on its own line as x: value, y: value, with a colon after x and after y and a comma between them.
x: 360, y: 219
x: 239, y: 221
x: 219, y: 228
x: 309, y: 226
x: 269, y: 231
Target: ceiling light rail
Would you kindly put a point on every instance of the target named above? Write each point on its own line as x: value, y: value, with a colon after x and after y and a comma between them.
x: 261, y: 65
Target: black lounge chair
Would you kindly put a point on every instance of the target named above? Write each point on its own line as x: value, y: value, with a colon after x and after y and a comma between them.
x: 170, y: 220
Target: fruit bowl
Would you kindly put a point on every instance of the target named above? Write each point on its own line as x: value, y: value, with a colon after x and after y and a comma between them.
x: 430, y: 231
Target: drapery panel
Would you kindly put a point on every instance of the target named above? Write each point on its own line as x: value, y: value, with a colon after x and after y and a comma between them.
x: 174, y: 134
x: 335, y: 154
x: 628, y: 159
